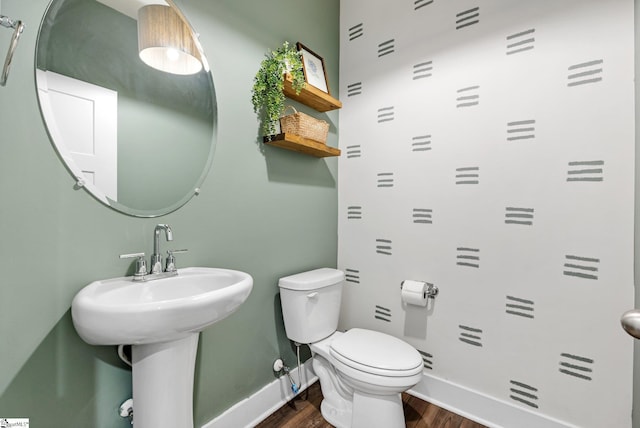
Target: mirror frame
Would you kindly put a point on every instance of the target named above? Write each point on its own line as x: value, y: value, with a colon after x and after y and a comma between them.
x: 65, y: 156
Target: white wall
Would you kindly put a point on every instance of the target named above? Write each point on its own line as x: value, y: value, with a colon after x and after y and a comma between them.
x: 488, y: 148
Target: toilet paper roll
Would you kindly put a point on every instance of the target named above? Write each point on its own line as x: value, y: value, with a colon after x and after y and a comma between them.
x: 414, y: 292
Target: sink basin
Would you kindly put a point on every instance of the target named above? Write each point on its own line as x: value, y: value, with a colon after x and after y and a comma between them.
x: 121, y: 311
x: 162, y: 320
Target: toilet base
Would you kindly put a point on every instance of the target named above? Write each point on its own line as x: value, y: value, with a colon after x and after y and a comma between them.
x: 367, y: 411
x: 377, y: 411
x: 343, y: 407
x: 339, y: 418
x: 336, y: 406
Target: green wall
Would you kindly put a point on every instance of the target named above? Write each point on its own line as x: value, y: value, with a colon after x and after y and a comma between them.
x: 265, y: 211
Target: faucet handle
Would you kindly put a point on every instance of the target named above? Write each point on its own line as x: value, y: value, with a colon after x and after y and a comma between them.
x: 131, y: 256
x: 170, y: 252
x: 171, y: 260
x: 141, y: 264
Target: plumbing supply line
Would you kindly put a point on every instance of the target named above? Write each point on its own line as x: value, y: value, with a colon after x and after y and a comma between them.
x: 123, y: 355
x: 300, y: 371
x: 294, y: 387
x: 279, y: 367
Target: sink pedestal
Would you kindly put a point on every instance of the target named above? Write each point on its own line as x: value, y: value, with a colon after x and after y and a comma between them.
x: 163, y: 383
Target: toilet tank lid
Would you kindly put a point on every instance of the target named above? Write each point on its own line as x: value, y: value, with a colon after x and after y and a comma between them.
x: 312, y: 279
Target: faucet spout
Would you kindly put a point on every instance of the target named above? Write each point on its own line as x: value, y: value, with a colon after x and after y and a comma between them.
x: 156, y: 236
x: 156, y: 258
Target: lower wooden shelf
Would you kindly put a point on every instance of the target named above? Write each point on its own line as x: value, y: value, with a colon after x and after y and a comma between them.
x: 301, y: 145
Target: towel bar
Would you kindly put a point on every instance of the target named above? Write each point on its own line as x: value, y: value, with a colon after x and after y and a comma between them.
x: 18, y: 27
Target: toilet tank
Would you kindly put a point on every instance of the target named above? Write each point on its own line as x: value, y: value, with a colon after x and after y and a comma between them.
x: 311, y: 304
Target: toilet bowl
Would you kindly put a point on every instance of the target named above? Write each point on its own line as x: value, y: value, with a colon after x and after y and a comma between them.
x: 362, y: 372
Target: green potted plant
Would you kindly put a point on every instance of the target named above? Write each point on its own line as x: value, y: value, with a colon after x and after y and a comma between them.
x: 268, y: 85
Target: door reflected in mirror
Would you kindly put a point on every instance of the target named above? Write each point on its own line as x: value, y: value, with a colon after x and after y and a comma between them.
x: 138, y: 139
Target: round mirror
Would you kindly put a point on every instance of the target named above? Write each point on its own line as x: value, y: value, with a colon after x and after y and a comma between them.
x: 139, y: 139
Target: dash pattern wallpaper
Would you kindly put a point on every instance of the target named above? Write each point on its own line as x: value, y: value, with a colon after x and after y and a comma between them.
x: 488, y: 149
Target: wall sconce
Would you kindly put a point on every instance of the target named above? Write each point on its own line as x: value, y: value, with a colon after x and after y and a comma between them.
x: 165, y: 41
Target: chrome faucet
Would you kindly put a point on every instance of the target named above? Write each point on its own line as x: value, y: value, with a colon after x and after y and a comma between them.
x: 156, y: 257
x: 156, y: 271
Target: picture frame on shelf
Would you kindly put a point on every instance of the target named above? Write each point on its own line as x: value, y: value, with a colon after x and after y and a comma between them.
x: 315, y: 72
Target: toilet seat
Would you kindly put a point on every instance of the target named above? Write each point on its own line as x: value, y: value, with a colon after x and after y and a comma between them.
x: 376, y: 353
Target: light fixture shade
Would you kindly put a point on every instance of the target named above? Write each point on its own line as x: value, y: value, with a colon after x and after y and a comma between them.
x: 165, y: 41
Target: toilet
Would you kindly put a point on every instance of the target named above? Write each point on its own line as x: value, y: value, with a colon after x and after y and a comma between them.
x: 362, y: 372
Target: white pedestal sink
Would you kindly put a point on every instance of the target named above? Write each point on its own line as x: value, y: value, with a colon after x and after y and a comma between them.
x: 162, y: 320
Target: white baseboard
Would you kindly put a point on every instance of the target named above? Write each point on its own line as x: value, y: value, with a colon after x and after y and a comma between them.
x: 479, y: 407
x: 254, y: 409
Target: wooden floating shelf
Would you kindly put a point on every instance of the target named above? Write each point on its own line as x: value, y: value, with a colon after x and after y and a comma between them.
x: 301, y: 145
x: 311, y: 96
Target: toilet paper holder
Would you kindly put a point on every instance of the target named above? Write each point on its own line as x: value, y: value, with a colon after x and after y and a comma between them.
x: 431, y: 291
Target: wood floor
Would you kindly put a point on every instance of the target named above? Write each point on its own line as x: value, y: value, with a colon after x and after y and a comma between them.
x: 304, y: 412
